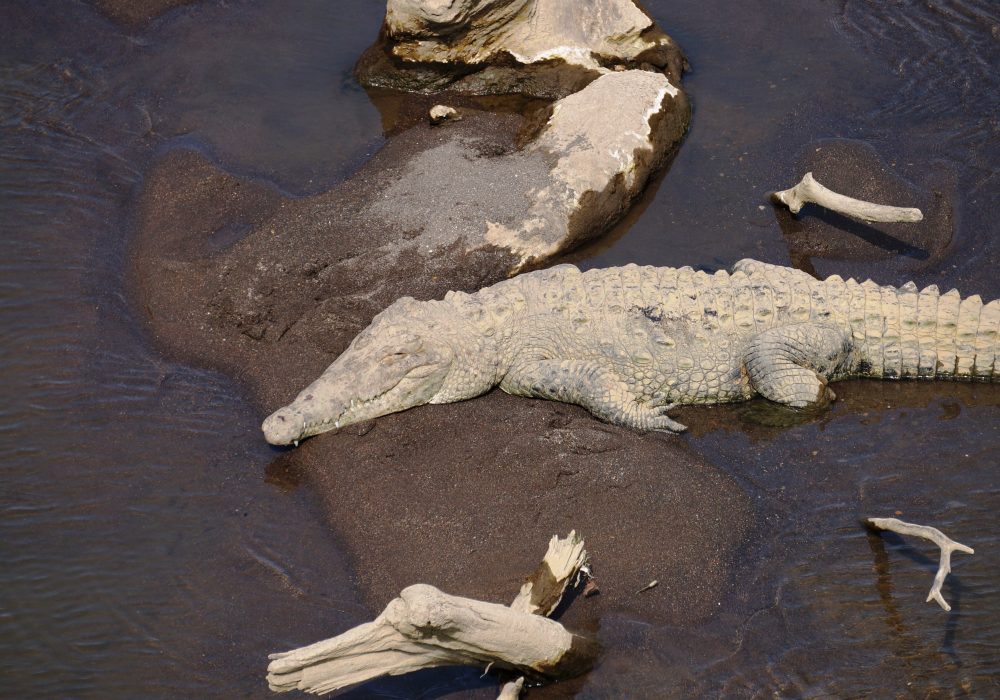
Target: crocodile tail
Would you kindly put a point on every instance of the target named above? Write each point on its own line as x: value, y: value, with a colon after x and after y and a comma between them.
x: 986, y: 343
x: 934, y: 335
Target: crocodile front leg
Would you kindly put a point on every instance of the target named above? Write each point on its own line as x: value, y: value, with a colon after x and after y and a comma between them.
x: 592, y: 385
x: 791, y: 364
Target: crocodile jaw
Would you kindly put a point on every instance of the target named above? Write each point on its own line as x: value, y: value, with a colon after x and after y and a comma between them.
x: 367, y: 381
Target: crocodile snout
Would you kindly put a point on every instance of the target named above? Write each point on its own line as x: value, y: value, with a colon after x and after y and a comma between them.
x: 283, y: 427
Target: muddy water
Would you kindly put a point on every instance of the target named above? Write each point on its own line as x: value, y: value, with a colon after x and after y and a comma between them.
x: 148, y: 547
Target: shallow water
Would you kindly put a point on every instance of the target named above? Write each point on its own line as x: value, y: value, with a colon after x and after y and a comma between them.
x: 150, y: 550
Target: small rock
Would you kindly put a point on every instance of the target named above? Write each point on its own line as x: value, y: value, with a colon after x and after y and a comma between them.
x: 441, y: 113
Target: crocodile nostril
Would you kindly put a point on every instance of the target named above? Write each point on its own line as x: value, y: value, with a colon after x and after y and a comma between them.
x: 282, y: 427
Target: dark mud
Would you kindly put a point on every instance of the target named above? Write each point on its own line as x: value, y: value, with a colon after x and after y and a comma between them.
x: 155, y: 546
x: 471, y: 509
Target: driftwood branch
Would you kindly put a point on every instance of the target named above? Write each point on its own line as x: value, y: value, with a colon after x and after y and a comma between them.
x: 424, y: 627
x: 946, y: 544
x: 542, y: 592
x: 809, y: 190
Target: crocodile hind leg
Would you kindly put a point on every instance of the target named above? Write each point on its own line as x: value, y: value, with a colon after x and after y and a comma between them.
x: 791, y: 364
x: 592, y: 385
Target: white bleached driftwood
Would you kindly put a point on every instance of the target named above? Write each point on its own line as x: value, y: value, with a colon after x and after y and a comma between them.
x: 424, y: 627
x: 809, y: 190
x: 542, y: 592
x: 946, y: 544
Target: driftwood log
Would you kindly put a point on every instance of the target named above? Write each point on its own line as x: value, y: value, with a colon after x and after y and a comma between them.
x: 946, y: 544
x: 424, y: 627
x: 809, y: 190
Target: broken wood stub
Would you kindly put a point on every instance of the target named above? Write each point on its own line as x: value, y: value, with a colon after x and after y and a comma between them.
x: 543, y: 590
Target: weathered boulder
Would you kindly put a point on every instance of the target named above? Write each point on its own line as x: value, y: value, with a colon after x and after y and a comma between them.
x: 435, y: 209
x: 541, y: 47
x: 477, y: 31
x: 415, y: 495
x: 592, y: 157
x: 606, y: 141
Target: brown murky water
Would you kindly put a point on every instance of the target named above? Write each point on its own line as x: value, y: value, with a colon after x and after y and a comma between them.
x: 147, y: 547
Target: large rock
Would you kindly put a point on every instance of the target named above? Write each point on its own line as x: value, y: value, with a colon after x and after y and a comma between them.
x: 541, y: 47
x: 606, y: 141
x: 457, y: 206
x: 478, y: 31
x: 232, y: 274
x: 574, y: 180
x: 460, y: 495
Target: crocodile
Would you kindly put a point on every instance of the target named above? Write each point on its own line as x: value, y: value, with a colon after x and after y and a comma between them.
x: 630, y: 343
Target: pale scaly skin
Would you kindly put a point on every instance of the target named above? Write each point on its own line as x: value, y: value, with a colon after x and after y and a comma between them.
x: 629, y: 343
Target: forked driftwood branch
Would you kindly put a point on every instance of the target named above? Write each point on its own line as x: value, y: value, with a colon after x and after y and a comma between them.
x: 946, y: 544
x: 424, y: 627
x: 809, y: 190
